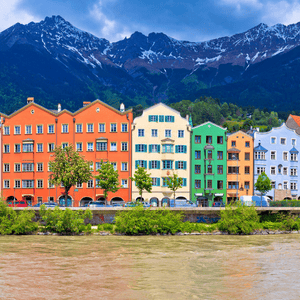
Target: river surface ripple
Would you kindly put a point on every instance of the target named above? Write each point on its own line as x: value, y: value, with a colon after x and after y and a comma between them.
x: 154, y: 267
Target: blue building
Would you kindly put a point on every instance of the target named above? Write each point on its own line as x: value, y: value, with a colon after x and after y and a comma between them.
x: 276, y: 154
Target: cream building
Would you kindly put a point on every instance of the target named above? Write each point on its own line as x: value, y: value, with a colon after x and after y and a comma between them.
x: 161, y: 144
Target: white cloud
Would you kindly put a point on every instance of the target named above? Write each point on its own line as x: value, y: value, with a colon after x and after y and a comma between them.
x: 110, y: 29
x: 9, y: 14
x: 240, y: 4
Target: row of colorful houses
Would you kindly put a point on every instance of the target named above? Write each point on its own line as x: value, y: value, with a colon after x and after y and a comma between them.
x: 214, y: 165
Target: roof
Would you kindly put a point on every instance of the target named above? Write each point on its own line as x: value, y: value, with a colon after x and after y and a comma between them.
x: 260, y: 148
x: 210, y: 123
x: 294, y: 150
x: 296, y: 119
x: 233, y: 150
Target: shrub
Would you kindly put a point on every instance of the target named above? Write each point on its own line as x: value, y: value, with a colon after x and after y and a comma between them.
x: 64, y: 221
x: 146, y: 221
x: 237, y: 218
x: 16, y: 222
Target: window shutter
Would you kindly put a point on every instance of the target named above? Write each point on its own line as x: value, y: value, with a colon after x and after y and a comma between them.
x: 161, y: 118
x: 158, y: 148
x: 145, y: 148
x: 172, y: 118
x: 184, y: 149
x: 145, y: 164
x: 176, y: 149
x: 150, y: 148
x: 136, y: 164
x: 158, y: 164
x: 184, y: 165
x: 176, y: 165
x: 136, y: 148
x: 158, y: 181
x: 149, y: 118
x: 156, y: 118
x: 183, y: 181
x: 166, y: 118
x: 150, y: 164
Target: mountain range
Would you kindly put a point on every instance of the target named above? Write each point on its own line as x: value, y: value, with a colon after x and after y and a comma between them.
x: 54, y: 61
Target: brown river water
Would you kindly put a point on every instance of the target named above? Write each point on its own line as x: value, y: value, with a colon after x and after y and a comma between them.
x: 155, y: 267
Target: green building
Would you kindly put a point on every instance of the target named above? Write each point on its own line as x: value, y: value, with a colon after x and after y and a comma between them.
x: 208, y: 164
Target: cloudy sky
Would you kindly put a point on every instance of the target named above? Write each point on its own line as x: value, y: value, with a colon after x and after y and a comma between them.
x: 184, y: 19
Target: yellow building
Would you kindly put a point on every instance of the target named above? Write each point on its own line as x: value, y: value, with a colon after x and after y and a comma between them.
x: 161, y: 144
x: 239, y: 165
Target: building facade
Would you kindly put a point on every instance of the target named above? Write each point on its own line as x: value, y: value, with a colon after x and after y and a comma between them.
x: 208, y: 164
x: 276, y: 154
x: 240, y: 165
x: 97, y: 131
x: 293, y: 122
x: 161, y: 144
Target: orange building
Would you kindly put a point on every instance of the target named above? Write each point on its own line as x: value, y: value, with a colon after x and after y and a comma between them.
x: 239, y: 165
x: 29, y: 136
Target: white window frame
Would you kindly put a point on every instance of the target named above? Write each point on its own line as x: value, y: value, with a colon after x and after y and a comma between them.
x: 273, y: 137
x: 154, y: 133
x: 19, y: 128
x: 282, y: 139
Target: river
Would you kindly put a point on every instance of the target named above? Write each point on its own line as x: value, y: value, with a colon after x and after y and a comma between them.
x: 154, y: 267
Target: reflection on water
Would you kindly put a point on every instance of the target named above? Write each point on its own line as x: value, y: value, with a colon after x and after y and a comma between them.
x: 170, y: 267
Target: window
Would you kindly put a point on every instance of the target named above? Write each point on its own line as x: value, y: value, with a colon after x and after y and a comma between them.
x: 164, y: 181
x: 161, y: 118
x: 39, y: 129
x: 294, y: 157
x: 197, y: 184
x: 40, y: 183
x: 155, y: 181
x: 124, y: 166
x: 285, y: 156
x: 293, y: 186
x: 169, y: 119
x: 90, y: 146
x: 197, y: 169
x: 79, y: 128
x: 285, y: 170
x: 273, y: 155
x: 17, y: 129
x: 273, y: 170
x: 233, y: 185
x: 283, y: 141
x: 17, y: 184
x: 197, y: 139
x: 17, y: 148
x: 79, y: 184
x: 50, y: 128
x: 259, y: 155
x: 79, y: 147
x: 220, y: 169
x: 180, y: 165
x: 209, y: 139
x: 140, y: 148
x: 247, y: 185
x: 293, y: 172
x: 28, y: 129
x: 154, y: 148
x: 39, y: 167
x: 167, y: 164
x: 27, y: 167
x: 219, y: 140
x: 293, y: 142
x: 247, y: 156
x: 168, y: 133
x: 6, y: 148
x: 6, y: 168
x: 209, y: 154
x: 113, y: 127
x: 124, y: 146
x: 209, y: 169
x: 51, y: 147
x: 113, y: 146
x: 209, y: 184
x: 154, y: 164
x: 141, y: 163
x: 180, y: 133
x: 247, y: 144
x: 197, y: 154
x: 101, y: 146
x: 167, y: 148
x: 6, y: 184
x: 153, y: 118
x: 39, y: 147
x: 6, y: 130
x: 180, y: 149
x: 65, y: 128
x: 233, y: 170
x: 220, y: 155
x: 124, y: 183
x: 90, y: 127
x: 17, y: 167
x: 233, y: 143
x: 285, y: 185
x: 64, y: 145
x: 247, y: 170
x: 220, y: 184
x: 50, y: 184
x: 114, y: 164
x: 101, y: 127
x: 28, y: 147
x: 260, y: 170
x: 154, y: 132
x: 273, y: 140
x: 90, y: 183
x: 97, y: 165
x: 124, y: 127
x: 27, y: 184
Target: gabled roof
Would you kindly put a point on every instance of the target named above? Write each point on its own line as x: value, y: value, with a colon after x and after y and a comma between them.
x: 260, y: 148
x: 294, y: 150
x: 296, y: 119
x: 210, y: 123
x: 233, y: 150
x: 241, y: 132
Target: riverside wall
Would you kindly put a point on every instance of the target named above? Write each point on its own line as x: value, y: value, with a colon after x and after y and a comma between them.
x: 195, y: 215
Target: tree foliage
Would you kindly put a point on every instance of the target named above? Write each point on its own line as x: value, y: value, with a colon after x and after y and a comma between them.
x: 68, y: 168
x: 263, y: 183
x: 142, y: 180
x: 174, y: 183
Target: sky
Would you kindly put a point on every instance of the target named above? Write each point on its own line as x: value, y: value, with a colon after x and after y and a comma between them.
x: 187, y: 20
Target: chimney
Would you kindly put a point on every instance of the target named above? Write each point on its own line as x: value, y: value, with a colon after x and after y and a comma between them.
x: 59, y: 107
x: 30, y: 99
x: 85, y: 103
x: 122, y: 107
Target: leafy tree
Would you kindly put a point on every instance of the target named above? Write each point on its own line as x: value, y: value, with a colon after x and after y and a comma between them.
x: 263, y: 184
x: 108, y: 179
x: 142, y: 180
x: 174, y: 183
x: 247, y: 124
x: 68, y: 168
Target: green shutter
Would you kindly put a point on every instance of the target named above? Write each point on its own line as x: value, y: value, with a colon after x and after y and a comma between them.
x: 149, y: 118
x: 136, y: 164
x: 158, y: 148
x: 166, y: 118
x: 145, y: 148
x: 150, y: 148
x: 150, y: 164
x: 136, y: 148
x: 183, y: 181
x: 158, y: 181
x: 156, y: 118
x: 158, y: 164
x: 184, y: 149
x: 176, y: 149
x: 145, y: 164
x: 184, y: 165
x: 161, y: 118
x: 172, y: 118
x: 176, y: 165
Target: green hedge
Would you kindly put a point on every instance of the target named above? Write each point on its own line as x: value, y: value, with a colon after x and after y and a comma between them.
x: 285, y: 203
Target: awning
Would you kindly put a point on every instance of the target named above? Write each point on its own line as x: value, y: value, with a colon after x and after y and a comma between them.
x: 198, y: 194
x: 219, y: 195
